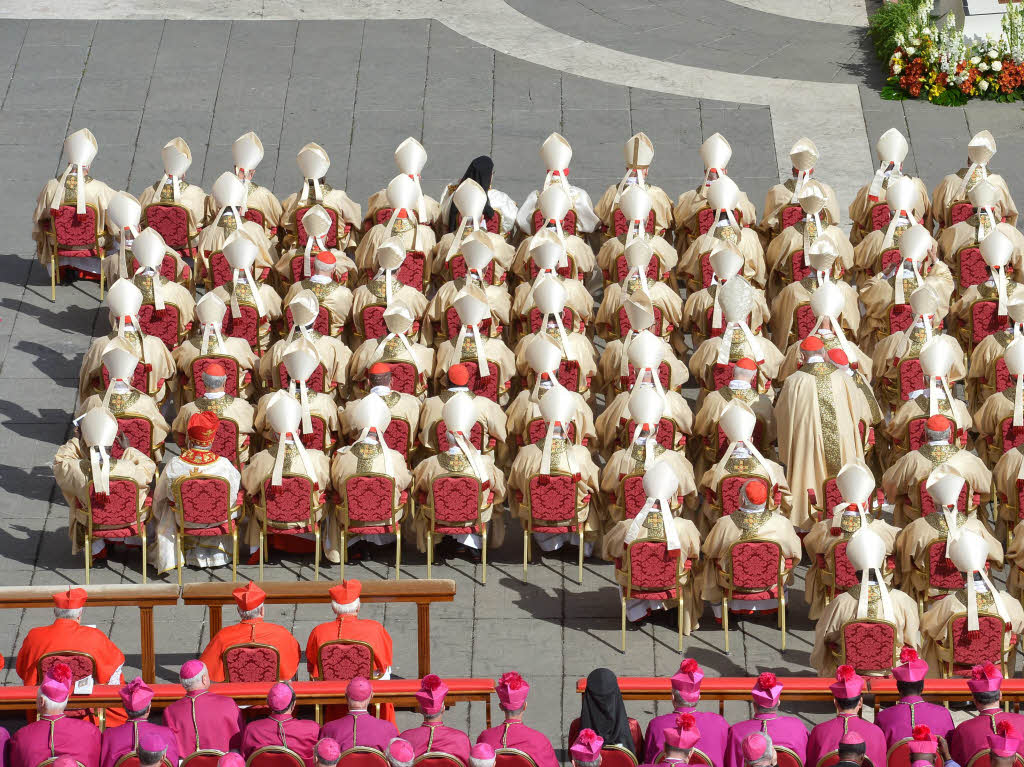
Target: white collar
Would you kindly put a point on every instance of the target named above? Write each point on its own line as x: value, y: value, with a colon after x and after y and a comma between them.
x: 214, y: 394
x: 741, y: 451
x: 737, y: 385
x: 380, y: 391
x: 320, y: 279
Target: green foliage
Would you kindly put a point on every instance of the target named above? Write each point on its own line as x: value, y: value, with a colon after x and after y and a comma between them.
x: 890, y: 20
x: 951, y: 97
x: 894, y: 93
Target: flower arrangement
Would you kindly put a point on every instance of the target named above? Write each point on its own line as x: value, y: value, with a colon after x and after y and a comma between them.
x: 934, y: 62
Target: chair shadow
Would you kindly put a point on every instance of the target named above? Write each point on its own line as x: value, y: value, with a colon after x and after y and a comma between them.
x: 81, y: 319
x: 51, y: 363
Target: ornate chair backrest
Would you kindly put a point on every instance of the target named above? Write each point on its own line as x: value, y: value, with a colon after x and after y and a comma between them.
x: 651, y: 569
x: 207, y: 757
x: 344, y: 659
x: 960, y: 211
x: 399, y: 436
x: 787, y: 757
x: 755, y: 565
x: 140, y: 378
x: 984, y: 759
x: 793, y: 214
x: 171, y: 221
x: 482, y: 386
x: 457, y: 499
x: 843, y: 572
x: 1012, y: 436
x: 879, y: 216
x: 225, y: 441
x: 117, y: 510
x: 869, y: 646
x: 900, y: 318
x: 971, y: 648
x: 620, y: 225
x: 910, y: 376
x: 889, y: 257
x: 436, y: 759
x: 665, y: 436
x: 251, y: 662
x: 624, y: 325
x: 926, y: 504
x: 230, y: 369
x: 373, y: 321
x: 985, y: 321
x: 942, y: 573
x: 404, y: 377
x: 294, y: 500
x: 246, y: 326
x: 413, y: 271
x: 973, y: 269
x: 82, y: 664
x: 512, y: 757
x: 316, y: 381
x: 552, y: 499
x: 274, y: 756
x: 71, y: 230
x: 568, y: 223
x: 164, y: 325
x: 664, y: 376
x: 568, y: 271
x: 456, y: 269
x: 322, y: 323
x: 729, y: 490
x: 614, y: 755
x: 368, y: 498
x: 476, y: 436
x: 804, y: 321
x: 653, y: 267
x: 138, y: 430
x: 202, y: 501
x: 363, y: 756
x: 633, y: 495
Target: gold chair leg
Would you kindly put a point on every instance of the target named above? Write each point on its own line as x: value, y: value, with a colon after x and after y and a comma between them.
x: 101, y: 276
x: 263, y: 550
x: 725, y: 621
x: 88, y: 557
x: 142, y: 534
x: 782, y: 615
x: 483, y: 556
x: 526, y: 550
x: 679, y: 603
x: 344, y: 551
x: 430, y: 552
x: 234, y: 554
x: 398, y: 552
x: 53, y: 277
x: 623, y: 600
x: 580, y: 562
x: 316, y: 555
x: 179, y: 555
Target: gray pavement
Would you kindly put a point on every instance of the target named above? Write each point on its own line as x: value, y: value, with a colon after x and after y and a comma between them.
x: 359, y: 88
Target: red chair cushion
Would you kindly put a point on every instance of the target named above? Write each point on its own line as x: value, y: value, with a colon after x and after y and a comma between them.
x: 755, y: 566
x: 413, y: 270
x: 654, y: 570
x: 790, y: 215
x: 220, y: 270
x: 569, y: 374
x: 345, y: 661
x: 869, y: 646
x: 917, y: 434
x: 797, y: 266
x: 1013, y: 436
x: 204, y: 502
x: 889, y: 257
x: 403, y: 377
x: 168, y: 269
x: 288, y: 502
x: 880, y: 217
x: 225, y: 441
x: 665, y: 436
x: 983, y: 646
x: 117, y: 510
x: 456, y: 499
x: 138, y: 431
x: 483, y: 386
x: 140, y: 378
x: 973, y: 269
x: 163, y: 325
x: 316, y: 439
x: 653, y: 267
x: 942, y: 573
x: 553, y: 500
x: 81, y: 666
x: 230, y: 369
x: 911, y: 378
x: 721, y: 375
x: 73, y: 230
x: 804, y: 321
x: 985, y: 320
x: 251, y: 664
x: 960, y: 211
x: 171, y: 221
x: 707, y: 272
x: 901, y: 316
x: 373, y: 322
x: 369, y: 499
x: 246, y: 327
x: 846, y: 576
x: 396, y: 436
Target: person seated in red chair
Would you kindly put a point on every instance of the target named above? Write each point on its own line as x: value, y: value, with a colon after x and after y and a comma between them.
x: 67, y: 633
x: 216, y: 400
x: 492, y: 417
x: 250, y: 602
x: 911, y: 710
x: 358, y: 727
x: 1004, y: 745
x: 433, y: 735
x: 753, y: 741
x: 685, y: 698
x: 138, y: 734
x: 972, y: 736
x: 399, y: 753
x: 203, y: 720
x: 332, y: 295
x: 326, y: 752
x: 851, y: 750
x: 512, y: 692
x: 152, y: 751
x: 586, y: 749
x: 925, y: 746
x: 281, y: 728
x: 603, y: 713
x: 681, y: 739
x: 198, y: 461
x: 53, y: 732
x: 829, y: 736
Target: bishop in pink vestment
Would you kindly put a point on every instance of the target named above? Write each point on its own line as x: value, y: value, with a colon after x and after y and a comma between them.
x: 203, y: 719
x: 54, y: 733
x: 433, y: 734
x: 359, y: 727
x: 787, y: 731
x: 512, y: 692
x: 685, y: 697
x: 281, y: 728
x: 137, y: 696
x: 971, y: 736
x: 897, y: 722
x: 825, y: 736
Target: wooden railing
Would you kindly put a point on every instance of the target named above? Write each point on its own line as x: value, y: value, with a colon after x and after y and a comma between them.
x: 215, y: 595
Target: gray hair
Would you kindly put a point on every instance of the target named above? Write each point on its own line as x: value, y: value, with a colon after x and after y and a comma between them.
x: 68, y: 614
x: 48, y: 706
x: 391, y: 760
x: 214, y: 382
x: 578, y: 763
x: 347, y: 609
x: 248, y: 615
x: 481, y: 762
x: 193, y: 682
x: 151, y: 758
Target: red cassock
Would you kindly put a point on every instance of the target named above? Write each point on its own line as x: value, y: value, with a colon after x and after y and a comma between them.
x: 248, y: 631
x: 217, y: 717
x: 57, y: 735
x: 438, y: 737
x: 65, y: 635
x: 124, y: 739
x: 300, y: 735
x: 971, y: 736
x: 512, y: 733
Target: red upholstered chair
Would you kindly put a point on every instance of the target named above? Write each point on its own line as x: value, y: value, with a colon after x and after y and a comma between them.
x: 206, y: 757
x: 251, y: 662
x: 203, y: 506
x: 879, y: 217
x: 960, y: 211
x: 727, y: 499
x: 246, y: 327
x: 476, y: 437
x: 454, y: 507
x: 400, y: 436
x: 256, y: 216
x: 228, y: 442
x: 405, y: 378
x: 568, y: 223
x: 568, y: 271
x: 382, y: 217
x: 1011, y: 436
x: 620, y: 225
x: 916, y: 433
x: 330, y: 239
x: 367, y: 507
x: 665, y: 436
x: 699, y: 757
x: 344, y: 659
x: 797, y: 268
x: 217, y: 270
x: 169, y: 270
x: 171, y: 221
x: 372, y: 320
x: 901, y: 316
x: 74, y: 236
x: 435, y: 759
x: 614, y: 755
x: 653, y: 267
x: 942, y: 575
x: 984, y: 759
x: 972, y: 267
x: 790, y: 215
x: 320, y: 438
x: 317, y: 380
x: 984, y: 320
x: 414, y: 271
x: 165, y: 324
x: 653, y: 572
x: 570, y: 321
x: 512, y: 757
x: 756, y: 570
x: 705, y: 218
x: 274, y: 756
x: 483, y: 386
x: 721, y: 374
x: 838, y: 574
x: 117, y: 515
x: 294, y: 502
x: 49, y: 762
x: 230, y: 364
x: 705, y: 273
x: 803, y: 322
x: 926, y: 506
x: 455, y: 269
x: 910, y: 377
x: 898, y: 754
x: 82, y: 664
x: 664, y: 376
x: 322, y: 323
x: 889, y: 257
x: 963, y: 649
x: 364, y: 756
x: 633, y: 497
x: 869, y: 646
x: 551, y: 499
x: 132, y: 760
x: 787, y: 757
x: 138, y: 430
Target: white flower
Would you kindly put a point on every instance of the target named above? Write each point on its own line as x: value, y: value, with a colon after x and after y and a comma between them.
x: 975, y: 60
x: 896, y: 69
x: 997, y: 66
x: 993, y: 53
x: 983, y: 66
x: 897, y: 55
x: 915, y: 40
x: 911, y: 50
x: 982, y: 85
